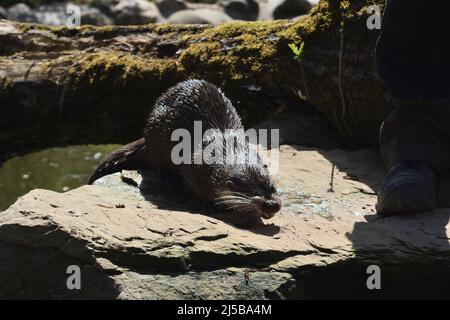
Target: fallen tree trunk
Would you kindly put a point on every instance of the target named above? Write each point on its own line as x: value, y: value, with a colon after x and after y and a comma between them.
x: 96, y: 84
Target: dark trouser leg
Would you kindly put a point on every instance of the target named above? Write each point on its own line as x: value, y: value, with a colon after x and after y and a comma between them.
x: 417, y: 133
x: 414, y: 140
x: 413, y: 60
x: 413, y: 51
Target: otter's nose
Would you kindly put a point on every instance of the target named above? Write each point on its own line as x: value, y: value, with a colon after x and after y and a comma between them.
x: 270, y: 207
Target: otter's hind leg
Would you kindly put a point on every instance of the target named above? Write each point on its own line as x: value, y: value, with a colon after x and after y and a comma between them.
x: 171, y: 181
x: 162, y: 180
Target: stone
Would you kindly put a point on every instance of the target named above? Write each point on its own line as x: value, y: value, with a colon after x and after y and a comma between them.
x: 105, y: 6
x: 21, y: 12
x: 199, y: 16
x: 3, y: 13
x: 241, y: 9
x: 287, y: 9
x: 95, y: 17
x: 135, y: 12
x: 52, y: 14
x: 306, y: 127
x: 169, y: 7
x: 6, y: 28
x: 58, y: 15
x: 135, y: 244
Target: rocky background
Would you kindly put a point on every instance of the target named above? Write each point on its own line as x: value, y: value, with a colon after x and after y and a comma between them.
x: 136, y: 12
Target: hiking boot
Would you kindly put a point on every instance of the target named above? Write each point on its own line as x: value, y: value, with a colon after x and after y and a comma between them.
x: 410, y: 186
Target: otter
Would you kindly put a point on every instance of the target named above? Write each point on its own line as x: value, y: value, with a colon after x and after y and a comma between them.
x: 243, y: 191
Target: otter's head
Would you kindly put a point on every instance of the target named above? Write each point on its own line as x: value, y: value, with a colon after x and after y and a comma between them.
x: 234, y: 177
x: 247, y: 194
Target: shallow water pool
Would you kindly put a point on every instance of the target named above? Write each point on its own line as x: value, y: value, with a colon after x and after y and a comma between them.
x: 58, y: 169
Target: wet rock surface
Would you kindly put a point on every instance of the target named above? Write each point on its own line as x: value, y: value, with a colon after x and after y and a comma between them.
x: 241, y: 9
x: 57, y: 14
x: 138, y: 12
x: 3, y: 13
x: 135, y: 12
x: 286, y: 9
x: 21, y: 12
x: 199, y: 16
x: 169, y: 7
x: 132, y: 241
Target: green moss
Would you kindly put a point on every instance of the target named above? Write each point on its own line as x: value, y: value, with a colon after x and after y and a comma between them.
x: 250, y: 61
x: 111, y: 31
x: 234, y: 51
x: 117, y: 69
x: 234, y: 47
x: 240, y: 51
x: 61, y: 31
x: 233, y: 54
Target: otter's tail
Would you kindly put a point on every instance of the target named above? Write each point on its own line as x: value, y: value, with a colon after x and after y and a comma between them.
x: 128, y: 157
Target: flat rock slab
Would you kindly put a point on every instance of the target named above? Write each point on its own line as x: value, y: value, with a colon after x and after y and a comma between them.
x: 131, y: 244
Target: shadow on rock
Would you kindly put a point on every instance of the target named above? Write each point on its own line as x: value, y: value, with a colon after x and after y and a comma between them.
x: 416, y: 261
x: 168, y: 193
x: 365, y: 166
x: 33, y: 270
x: 303, y: 127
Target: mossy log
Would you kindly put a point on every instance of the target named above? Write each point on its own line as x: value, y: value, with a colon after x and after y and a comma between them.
x: 63, y: 86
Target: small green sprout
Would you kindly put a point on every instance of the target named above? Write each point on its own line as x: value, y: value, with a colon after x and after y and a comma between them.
x: 298, y: 55
x: 345, y: 5
x: 298, y: 51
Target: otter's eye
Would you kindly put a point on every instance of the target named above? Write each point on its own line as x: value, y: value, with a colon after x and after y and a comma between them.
x: 238, y: 181
x: 273, y: 189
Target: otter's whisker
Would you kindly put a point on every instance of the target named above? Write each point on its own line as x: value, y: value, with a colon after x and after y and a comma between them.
x: 231, y: 199
x: 236, y: 194
x: 240, y: 195
x: 239, y: 207
x: 233, y: 207
x: 228, y: 197
x: 242, y: 211
x: 228, y: 205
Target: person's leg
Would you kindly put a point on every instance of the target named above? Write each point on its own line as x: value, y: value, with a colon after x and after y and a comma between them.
x: 413, y: 50
x: 417, y: 133
x: 413, y: 60
x: 415, y: 146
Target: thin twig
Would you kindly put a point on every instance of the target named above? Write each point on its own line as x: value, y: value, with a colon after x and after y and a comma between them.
x: 304, y: 82
x: 341, y: 91
x: 332, y: 179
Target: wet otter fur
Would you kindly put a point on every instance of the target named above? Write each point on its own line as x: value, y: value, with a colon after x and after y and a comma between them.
x: 242, y: 191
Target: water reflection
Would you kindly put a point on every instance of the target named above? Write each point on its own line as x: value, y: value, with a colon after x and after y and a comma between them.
x: 58, y: 169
